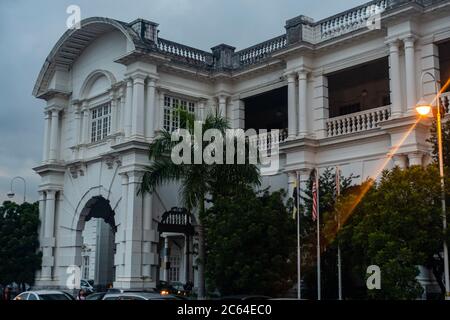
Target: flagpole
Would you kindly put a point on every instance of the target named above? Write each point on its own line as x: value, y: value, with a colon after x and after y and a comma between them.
x: 319, y: 289
x: 299, y: 292
x: 338, y: 193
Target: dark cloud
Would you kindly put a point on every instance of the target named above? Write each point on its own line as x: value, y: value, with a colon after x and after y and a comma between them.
x: 29, y: 29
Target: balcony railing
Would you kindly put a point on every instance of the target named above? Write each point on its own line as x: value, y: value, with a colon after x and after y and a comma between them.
x: 260, y: 51
x: 357, y: 122
x: 269, y: 140
x: 351, y: 20
x: 184, y: 52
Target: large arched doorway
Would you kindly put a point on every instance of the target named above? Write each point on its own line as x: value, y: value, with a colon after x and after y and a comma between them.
x: 98, y: 227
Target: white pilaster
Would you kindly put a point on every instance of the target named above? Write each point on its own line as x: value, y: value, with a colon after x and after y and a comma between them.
x: 46, y: 147
x: 138, y: 106
x: 410, y: 65
x: 86, y: 124
x: 114, y: 111
x: 54, y: 135
x: 119, y: 259
x: 394, y: 73
x: 292, y: 114
x: 321, y: 106
x: 237, y: 114
x: 128, y: 110
x: 302, y: 103
x: 48, y: 241
x: 151, y: 107
x: 415, y: 159
x: 222, y: 106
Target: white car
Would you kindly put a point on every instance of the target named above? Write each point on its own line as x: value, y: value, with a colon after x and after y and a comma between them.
x: 44, y: 295
x: 138, y: 296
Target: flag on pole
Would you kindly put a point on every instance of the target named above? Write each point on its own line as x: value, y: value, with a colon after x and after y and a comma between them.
x: 295, y: 197
x: 315, y: 193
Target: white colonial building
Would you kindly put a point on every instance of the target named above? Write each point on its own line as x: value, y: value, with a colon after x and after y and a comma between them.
x: 342, y: 90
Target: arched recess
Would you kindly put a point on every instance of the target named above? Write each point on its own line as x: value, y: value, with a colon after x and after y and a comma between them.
x: 92, y: 78
x: 72, y: 44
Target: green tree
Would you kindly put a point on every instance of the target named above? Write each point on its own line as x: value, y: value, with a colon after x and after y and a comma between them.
x: 251, y: 243
x: 398, y: 227
x: 19, y: 258
x: 197, y: 181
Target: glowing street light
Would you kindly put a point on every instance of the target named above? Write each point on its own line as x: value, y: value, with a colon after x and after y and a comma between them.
x: 423, y: 108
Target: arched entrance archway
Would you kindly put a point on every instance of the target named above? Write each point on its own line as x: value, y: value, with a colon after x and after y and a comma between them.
x: 97, y: 228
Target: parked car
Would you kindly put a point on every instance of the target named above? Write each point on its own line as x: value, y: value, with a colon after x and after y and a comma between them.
x: 245, y: 298
x: 96, y: 296
x: 44, y: 295
x: 139, y: 296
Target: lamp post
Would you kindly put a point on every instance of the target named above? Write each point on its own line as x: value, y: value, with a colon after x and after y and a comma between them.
x: 423, y: 108
x: 11, y: 193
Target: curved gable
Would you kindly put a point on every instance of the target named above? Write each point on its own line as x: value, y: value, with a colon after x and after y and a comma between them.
x: 72, y: 44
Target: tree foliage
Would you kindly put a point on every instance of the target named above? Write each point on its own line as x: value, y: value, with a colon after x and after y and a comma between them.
x: 250, y: 240
x: 19, y: 259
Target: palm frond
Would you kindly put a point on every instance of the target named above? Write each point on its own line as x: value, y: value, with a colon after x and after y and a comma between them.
x: 161, y: 171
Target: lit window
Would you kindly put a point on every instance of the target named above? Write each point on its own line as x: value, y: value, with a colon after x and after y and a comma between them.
x: 100, y: 122
x: 171, y: 119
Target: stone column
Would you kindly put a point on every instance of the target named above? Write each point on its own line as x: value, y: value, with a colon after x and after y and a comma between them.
x: 138, y: 106
x: 410, y: 65
x: 201, y: 112
x: 415, y: 159
x: 292, y: 114
x: 78, y: 123
x: 54, y: 135
x: 114, y: 108
x: 48, y: 241
x: 133, y: 233
x: 148, y: 238
x: 159, y: 111
x: 394, y: 73
x: 121, y: 126
x: 119, y: 259
x: 222, y: 106
x: 430, y: 63
x: 86, y: 124
x: 42, y: 200
x: 46, y: 147
x: 128, y: 110
x: 321, y: 106
x: 151, y: 107
x: 400, y: 161
x: 302, y: 103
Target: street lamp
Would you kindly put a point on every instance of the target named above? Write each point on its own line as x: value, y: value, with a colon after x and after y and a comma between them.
x: 423, y: 109
x: 11, y: 193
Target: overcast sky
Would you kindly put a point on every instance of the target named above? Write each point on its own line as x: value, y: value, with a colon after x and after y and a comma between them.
x: 30, y: 28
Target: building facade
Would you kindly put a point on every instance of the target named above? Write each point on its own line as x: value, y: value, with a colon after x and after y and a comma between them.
x: 341, y: 91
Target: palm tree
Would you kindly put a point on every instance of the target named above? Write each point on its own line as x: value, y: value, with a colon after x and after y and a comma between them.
x: 197, y: 181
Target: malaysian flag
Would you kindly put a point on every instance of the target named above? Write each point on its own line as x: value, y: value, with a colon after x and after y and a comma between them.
x: 315, y: 194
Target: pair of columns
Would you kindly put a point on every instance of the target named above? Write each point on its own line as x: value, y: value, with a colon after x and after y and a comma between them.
x: 47, y: 211
x: 138, y: 108
x: 395, y: 75
x: 297, y: 104
x: 413, y: 158
x: 136, y: 237
x: 51, y: 134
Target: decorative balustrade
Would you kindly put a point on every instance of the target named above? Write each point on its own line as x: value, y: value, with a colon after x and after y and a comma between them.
x: 184, y: 52
x: 269, y: 140
x: 351, y: 20
x: 357, y: 122
x: 260, y: 51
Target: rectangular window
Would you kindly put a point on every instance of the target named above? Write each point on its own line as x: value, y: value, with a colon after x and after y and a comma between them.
x: 171, y: 119
x: 86, y: 267
x: 174, y: 271
x: 100, y: 122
